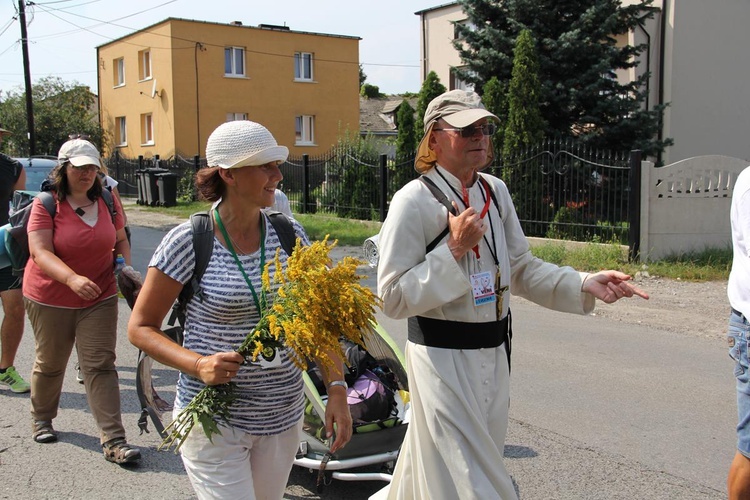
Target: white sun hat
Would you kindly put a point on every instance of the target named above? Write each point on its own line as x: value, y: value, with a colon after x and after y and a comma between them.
x: 79, y: 152
x: 243, y: 143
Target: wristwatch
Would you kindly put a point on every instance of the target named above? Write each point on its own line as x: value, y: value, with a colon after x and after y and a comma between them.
x: 341, y: 383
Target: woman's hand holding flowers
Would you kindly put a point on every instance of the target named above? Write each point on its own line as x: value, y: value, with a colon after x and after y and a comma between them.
x: 218, y: 368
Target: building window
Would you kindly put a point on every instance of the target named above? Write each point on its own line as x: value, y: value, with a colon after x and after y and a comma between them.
x: 147, y: 130
x: 303, y: 66
x: 457, y: 84
x: 144, y: 64
x: 121, y: 131
x: 119, y: 67
x: 466, y: 23
x: 304, y: 129
x: 234, y: 61
x: 232, y: 117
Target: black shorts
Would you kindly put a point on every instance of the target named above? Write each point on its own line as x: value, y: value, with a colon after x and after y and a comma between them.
x: 8, y: 281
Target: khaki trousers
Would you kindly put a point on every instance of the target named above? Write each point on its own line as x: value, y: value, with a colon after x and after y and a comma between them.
x: 93, y: 331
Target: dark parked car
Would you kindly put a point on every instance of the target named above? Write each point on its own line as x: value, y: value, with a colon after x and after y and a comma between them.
x: 37, y: 169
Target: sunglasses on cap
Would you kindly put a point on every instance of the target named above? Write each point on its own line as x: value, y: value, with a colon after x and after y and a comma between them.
x: 466, y: 132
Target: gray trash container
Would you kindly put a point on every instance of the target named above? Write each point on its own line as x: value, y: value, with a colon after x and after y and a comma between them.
x: 151, y: 188
x: 167, y: 186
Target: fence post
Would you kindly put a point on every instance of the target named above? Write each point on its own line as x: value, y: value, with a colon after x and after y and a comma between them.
x: 305, y: 182
x: 140, y: 162
x: 634, y: 205
x: 117, y: 164
x: 383, y: 186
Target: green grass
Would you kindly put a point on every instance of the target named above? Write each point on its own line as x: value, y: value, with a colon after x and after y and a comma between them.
x: 346, y: 231
x: 708, y: 265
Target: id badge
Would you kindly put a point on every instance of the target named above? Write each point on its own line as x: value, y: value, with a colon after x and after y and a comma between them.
x: 482, y: 288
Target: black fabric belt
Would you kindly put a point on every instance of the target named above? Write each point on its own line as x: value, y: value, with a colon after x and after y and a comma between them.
x: 461, y: 335
x: 735, y: 311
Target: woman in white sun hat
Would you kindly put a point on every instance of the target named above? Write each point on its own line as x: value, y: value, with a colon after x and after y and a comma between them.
x: 253, y: 455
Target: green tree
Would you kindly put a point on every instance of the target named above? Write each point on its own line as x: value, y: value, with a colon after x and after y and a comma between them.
x: 494, y: 99
x: 60, y: 108
x: 370, y: 91
x: 431, y: 88
x: 406, y: 145
x: 578, y: 63
x: 525, y: 126
x: 362, y: 76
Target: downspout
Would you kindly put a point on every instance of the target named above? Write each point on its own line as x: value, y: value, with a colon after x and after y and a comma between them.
x: 424, y: 47
x: 660, y: 133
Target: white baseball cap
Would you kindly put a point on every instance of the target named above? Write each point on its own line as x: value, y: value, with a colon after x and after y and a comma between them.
x: 79, y: 152
x: 243, y: 143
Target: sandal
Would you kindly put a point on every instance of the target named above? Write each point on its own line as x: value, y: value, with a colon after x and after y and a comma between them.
x: 118, y: 451
x: 43, y: 432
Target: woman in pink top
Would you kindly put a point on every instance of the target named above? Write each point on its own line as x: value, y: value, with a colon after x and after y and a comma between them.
x: 71, y: 297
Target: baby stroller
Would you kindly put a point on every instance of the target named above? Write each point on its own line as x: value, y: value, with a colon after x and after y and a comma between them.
x: 379, y: 402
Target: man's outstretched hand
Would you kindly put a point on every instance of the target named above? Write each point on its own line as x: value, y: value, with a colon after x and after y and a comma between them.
x: 610, y: 286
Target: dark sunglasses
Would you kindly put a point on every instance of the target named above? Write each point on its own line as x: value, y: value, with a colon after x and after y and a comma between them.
x: 466, y: 132
x: 85, y: 137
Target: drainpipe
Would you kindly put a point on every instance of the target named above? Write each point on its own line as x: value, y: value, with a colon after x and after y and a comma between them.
x: 660, y: 133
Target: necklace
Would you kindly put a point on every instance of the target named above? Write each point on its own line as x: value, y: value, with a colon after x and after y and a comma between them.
x: 234, y: 243
x: 79, y: 210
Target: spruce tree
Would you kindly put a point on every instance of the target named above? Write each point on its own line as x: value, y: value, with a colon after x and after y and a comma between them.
x: 578, y: 64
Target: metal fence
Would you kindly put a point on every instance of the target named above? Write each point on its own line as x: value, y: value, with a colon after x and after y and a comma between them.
x: 561, y: 189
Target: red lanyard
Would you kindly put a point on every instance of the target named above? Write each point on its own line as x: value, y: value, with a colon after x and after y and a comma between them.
x: 465, y: 194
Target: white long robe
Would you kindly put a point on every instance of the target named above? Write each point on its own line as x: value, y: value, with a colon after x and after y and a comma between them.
x: 453, y: 448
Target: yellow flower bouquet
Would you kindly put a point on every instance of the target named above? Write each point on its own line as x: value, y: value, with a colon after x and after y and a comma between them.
x: 315, y: 306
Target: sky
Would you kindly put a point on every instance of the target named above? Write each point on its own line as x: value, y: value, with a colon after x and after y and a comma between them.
x: 63, y: 34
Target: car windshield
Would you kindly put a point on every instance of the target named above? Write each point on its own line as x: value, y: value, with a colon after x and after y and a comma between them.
x: 37, y: 169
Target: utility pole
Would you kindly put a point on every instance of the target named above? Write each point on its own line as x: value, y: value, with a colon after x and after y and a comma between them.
x: 27, y: 78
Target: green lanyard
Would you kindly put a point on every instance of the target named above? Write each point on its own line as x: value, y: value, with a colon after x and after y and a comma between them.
x: 228, y: 242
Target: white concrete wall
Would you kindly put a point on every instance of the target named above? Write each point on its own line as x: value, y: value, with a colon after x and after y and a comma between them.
x: 438, y: 54
x: 685, y: 206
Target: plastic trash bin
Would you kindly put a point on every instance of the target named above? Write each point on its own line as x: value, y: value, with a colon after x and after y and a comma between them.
x: 167, y: 186
x: 151, y: 188
x: 140, y: 179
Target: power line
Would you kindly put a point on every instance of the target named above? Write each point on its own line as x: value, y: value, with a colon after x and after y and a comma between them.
x: 193, y: 42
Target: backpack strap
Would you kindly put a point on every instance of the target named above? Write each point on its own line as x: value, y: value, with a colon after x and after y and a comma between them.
x: 109, y: 200
x: 440, y: 196
x: 202, y: 226
x: 284, y: 229
x: 49, y: 202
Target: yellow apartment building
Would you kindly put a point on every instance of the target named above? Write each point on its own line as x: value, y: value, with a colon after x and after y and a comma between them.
x: 165, y: 88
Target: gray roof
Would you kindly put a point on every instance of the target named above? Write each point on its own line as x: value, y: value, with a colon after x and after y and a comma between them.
x: 374, y: 114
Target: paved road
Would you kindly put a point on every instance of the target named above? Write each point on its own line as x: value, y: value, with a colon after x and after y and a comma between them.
x: 599, y: 410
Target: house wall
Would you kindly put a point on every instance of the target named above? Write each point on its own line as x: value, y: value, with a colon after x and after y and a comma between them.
x: 134, y: 97
x: 436, y: 43
x: 706, y: 80
x: 267, y: 93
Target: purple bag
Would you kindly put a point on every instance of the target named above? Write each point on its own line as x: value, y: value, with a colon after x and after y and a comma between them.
x: 369, y: 400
